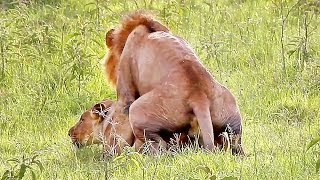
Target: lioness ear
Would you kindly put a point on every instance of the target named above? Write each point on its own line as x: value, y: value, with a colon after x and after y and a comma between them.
x: 109, y: 38
x: 97, y: 111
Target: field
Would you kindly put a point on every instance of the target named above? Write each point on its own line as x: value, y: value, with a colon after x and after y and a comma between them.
x: 266, y: 52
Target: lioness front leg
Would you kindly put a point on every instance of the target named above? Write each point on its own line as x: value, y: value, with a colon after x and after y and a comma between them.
x: 118, y: 133
x: 116, y: 143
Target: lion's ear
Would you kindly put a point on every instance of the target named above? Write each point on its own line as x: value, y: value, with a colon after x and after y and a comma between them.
x: 157, y: 26
x: 97, y: 111
x: 109, y: 38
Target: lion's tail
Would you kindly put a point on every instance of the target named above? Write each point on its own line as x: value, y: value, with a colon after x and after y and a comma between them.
x: 127, y: 24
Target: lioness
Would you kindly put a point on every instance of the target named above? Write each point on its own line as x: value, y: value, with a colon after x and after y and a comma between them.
x: 94, y: 127
x: 162, y: 77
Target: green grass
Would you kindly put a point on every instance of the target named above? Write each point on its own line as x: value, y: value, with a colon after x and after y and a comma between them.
x: 50, y: 53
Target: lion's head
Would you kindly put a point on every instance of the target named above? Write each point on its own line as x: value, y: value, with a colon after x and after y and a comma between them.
x: 89, y: 127
x: 116, y: 39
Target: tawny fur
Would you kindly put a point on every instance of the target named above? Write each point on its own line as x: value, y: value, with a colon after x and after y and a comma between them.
x: 92, y: 128
x: 120, y: 34
x: 89, y: 128
x: 159, y: 69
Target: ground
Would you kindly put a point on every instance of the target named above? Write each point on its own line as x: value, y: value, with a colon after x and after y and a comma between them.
x: 266, y: 52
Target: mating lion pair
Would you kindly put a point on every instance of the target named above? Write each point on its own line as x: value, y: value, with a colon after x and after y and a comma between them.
x: 162, y: 89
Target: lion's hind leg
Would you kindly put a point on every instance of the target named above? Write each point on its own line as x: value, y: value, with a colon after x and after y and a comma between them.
x: 146, y: 125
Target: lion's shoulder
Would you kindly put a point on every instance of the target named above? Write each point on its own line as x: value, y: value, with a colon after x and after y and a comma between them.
x: 117, y: 39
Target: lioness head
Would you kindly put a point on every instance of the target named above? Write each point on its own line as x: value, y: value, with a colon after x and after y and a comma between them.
x: 88, y: 130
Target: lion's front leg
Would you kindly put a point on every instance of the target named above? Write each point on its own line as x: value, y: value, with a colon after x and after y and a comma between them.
x: 127, y: 91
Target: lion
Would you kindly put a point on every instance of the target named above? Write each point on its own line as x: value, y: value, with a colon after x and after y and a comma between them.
x: 94, y: 127
x: 162, y: 86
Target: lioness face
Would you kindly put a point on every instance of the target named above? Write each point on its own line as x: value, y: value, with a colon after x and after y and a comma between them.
x: 88, y: 130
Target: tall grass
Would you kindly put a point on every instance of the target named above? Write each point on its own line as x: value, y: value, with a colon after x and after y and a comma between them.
x: 50, y: 73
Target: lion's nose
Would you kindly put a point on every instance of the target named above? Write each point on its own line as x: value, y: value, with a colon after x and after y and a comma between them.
x: 70, y: 132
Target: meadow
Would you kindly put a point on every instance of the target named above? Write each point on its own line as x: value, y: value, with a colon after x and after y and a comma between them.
x: 266, y: 52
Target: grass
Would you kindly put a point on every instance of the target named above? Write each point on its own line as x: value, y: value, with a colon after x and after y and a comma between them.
x: 50, y: 54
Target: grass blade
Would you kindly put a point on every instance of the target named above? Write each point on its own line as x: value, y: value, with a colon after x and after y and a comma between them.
x: 5, y: 175
x: 313, y: 142
x: 22, y: 171
x: 39, y: 165
x: 33, y: 175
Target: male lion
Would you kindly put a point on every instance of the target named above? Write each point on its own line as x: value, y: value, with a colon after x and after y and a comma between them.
x: 161, y: 77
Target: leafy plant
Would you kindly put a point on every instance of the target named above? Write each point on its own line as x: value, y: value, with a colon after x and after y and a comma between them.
x: 211, y: 175
x: 20, y: 166
x: 126, y: 158
x: 306, y: 11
